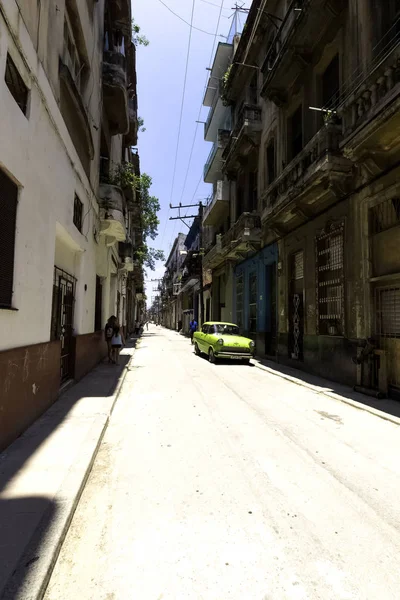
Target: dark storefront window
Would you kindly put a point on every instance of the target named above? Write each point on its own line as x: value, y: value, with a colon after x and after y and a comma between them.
x: 239, y: 300
x: 330, y: 281
x: 253, y: 303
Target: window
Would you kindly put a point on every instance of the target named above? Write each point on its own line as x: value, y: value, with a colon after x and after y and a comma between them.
x: 330, y: 84
x: 330, y: 281
x: 253, y: 191
x: 239, y: 202
x: 270, y: 160
x: 253, y: 303
x: 71, y: 56
x: 98, y: 306
x: 384, y: 215
x: 205, y: 329
x: 388, y: 312
x: 8, y: 209
x: 295, y: 131
x: 16, y: 85
x: 78, y: 213
x: 239, y: 300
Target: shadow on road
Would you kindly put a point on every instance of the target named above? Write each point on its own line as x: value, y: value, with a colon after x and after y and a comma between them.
x: 389, y: 406
x: 25, y: 521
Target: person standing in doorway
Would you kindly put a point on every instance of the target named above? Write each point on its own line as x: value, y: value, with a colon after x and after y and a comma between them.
x: 108, y: 334
x: 117, y: 341
x: 192, y: 328
x: 137, y: 327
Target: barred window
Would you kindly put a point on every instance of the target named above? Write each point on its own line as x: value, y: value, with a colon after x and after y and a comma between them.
x: 388, y: 311
x: 253, y: 303
x: 239, y: 300
x: 330, y: 281
x: 384, y: 215
x: 8, y: 209
x: 78, y: 213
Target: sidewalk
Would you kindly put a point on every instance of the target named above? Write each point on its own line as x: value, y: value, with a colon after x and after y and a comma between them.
x: 385, y: 409
x: 43, y: 473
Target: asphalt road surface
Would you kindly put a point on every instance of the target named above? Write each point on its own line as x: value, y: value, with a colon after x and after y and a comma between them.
x: 222, y: 482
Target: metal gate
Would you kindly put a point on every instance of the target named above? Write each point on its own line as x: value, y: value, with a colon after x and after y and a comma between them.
x: 296, y: 306
x: 63, y: 317
x: 387, y: 328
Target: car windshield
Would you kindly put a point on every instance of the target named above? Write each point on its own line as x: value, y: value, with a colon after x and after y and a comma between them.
x: 226, y: 329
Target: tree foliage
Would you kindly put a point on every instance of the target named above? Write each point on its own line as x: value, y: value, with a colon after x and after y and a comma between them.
x: 123, y: 175
x: 137, y: 38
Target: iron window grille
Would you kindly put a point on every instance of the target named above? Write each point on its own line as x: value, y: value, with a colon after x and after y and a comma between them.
x: 388, y: 312
x: 16, y: 85
x: 253, y: 303
x: 8, y: 210
x: 384, y: 216
x: 78, y: 213
x: 330, y: 280
x: 239, y: 300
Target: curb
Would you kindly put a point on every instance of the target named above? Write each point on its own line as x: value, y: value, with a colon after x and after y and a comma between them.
x: 332, y: 395
x: 36, y: 575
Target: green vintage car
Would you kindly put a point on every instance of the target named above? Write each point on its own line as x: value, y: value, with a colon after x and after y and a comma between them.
x: 222, y: 340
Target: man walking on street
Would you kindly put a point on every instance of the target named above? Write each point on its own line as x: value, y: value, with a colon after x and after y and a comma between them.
x: 192, y: 328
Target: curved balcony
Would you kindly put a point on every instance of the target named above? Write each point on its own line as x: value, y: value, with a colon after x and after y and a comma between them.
x: 317, y: 177
x: 115, y: 95
x: 218, y: 209
x: 244, y: 138
x: 112, y: 213
x: 243, y: 237
x: 132, y: 135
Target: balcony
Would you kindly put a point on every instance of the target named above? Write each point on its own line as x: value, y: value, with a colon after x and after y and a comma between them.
x: 244, y: 138
x: 218, y: 115
x: 75, y: 116
x: 302, y: 29
x: 213, y: 168
x: 112, y: 214
x: 218, y: 208
x: 115, y: 95
x: 371, y: 112
x: 318, y: 176
x: 241, y: 239
x: 132, y: 135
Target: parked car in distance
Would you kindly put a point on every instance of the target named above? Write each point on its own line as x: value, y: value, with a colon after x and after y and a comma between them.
x: 223, y: 340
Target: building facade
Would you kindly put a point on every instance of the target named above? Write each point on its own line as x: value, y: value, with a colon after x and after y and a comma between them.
x: 171, y: 297
x: 314, y: 93
x: 69, y: 117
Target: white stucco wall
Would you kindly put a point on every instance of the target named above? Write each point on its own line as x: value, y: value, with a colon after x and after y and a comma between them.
x: 36, y: 151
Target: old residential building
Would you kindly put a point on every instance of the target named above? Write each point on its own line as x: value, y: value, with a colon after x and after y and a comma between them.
x: 171, y: 298
x: 68, y: 106
x: 322, y: 184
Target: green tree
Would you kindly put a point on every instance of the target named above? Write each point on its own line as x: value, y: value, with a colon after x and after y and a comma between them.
x: 137, y: 38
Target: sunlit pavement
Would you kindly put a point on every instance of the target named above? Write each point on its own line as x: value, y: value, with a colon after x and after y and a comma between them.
x: 225, y: 481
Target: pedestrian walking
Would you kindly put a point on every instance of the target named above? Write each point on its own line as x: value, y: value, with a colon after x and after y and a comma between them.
x: 108, y: 334
x: 117, y: 341
x: 147, y: 325
x: 137, y: 327
x: 192, y: 328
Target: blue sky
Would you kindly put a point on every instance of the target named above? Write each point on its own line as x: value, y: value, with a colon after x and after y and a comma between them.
x: 160, y: 71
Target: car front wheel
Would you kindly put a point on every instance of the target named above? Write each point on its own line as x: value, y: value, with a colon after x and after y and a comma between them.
x: 196, y: 349
x: 211, y: 356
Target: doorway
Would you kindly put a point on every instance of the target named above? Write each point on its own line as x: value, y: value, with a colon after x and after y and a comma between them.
x: 62, y: 319
x: 271, y: 317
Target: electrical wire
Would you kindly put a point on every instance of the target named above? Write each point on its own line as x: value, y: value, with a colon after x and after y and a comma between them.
x: 180, y: 116
x: 201, y: 104
x: 198, y: 117
x: 184, y: 21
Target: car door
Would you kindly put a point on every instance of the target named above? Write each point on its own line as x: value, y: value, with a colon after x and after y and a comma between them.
x: 201, y: 338
x: 210, y: 338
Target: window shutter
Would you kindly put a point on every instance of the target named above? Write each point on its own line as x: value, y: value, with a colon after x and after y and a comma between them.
x: 8, y: 212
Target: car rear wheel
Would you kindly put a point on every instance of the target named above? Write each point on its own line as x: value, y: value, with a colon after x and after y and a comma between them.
x: 196, y: 349
x: 211, y: 356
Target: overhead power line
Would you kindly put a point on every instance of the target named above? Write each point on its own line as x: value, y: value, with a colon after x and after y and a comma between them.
x: 184, y: 21
x: 181, y: 114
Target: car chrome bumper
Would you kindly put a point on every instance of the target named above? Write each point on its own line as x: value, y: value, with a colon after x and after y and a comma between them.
x: 234, y: 355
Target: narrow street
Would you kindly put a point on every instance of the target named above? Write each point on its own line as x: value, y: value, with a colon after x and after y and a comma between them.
x: 224, y: 481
